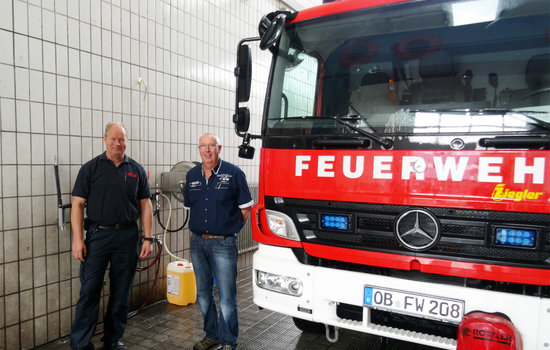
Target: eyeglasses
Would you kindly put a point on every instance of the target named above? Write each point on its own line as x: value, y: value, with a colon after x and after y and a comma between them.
x: 204, y: 147
x: 113, y: 140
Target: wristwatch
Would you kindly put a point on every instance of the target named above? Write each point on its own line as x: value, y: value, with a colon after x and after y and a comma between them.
x: 150, y: 239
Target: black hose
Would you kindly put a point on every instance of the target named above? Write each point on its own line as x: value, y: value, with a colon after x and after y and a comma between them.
x: 157, y: 213
x: 140, y: 268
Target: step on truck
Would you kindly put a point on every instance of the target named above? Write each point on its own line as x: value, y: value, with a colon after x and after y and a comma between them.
x: 404, y: 185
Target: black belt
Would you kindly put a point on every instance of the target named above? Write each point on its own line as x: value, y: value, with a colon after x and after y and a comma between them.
x: 222, y: 237
x: 113, y: 227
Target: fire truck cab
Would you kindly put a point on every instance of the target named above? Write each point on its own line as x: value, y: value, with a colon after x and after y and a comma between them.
x: 404, y: 187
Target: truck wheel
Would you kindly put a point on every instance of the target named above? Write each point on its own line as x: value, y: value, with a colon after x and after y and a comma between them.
x: 309, y: 326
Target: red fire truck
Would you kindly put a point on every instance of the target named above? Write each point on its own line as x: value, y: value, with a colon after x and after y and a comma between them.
x: 404, y: 187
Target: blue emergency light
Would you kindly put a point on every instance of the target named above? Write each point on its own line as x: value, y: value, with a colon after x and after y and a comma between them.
x: 335, y: 222
x: 515, y: 237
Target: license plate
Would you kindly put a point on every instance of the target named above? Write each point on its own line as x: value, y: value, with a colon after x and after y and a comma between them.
x: 421, y: 305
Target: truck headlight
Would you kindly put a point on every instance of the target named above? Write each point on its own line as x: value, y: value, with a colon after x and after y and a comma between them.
x: 279, y: 283
x: 281, y: 225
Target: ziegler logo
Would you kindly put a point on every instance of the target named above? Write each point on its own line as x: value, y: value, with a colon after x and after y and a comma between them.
x: 486, y: 335
x: 500, y: 192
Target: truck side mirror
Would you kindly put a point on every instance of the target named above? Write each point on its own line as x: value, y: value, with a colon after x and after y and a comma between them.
x: 243, y: 72
x: 241, y: 119
x: 273, y: 31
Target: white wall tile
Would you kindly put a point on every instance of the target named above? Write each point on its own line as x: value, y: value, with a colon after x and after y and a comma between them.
x: 106, y: 15
x: 107, y: 97
x: 96, y: 40
x: 96, y: 68
x: 25, y: 216
x: 85, y: 36
x: 74, y: 121
x: 50, y: 91
x: 86, y: 123
x: 7, y: 114
x: 50, y: 151
x: 72, y: 9
x: 35, y: 54
x: 95, y: 13
x: 63, y: 155
x: 85, y: 94
x: 6, y: 21
x: 9, y: 180
x: 37, y: 146
x: 20, y: 17
x: 74, y: 92
x: 24, y: 181
x: 38, y: 211
x: 106, y: 43
x: 23, y: 148
x: 62, y: 90
x: 38, y: 179
x: 84, y: 10
x: 22, y: 86
x: 8, y: 146
x: 62, y: 60
x: 36, y: 88
x: 48, y: 25
x: 35, y: 21
x: 87, y: 153
x: 21, y: 50
x: 50, y: 119
x: 73, y: 31
x: 97, y: 95
x: 74, y: 63
x: 63, y: 121
x: 61, y: 23
x: 37, y: 118
x: 76, y: 150
x: 60, y: 6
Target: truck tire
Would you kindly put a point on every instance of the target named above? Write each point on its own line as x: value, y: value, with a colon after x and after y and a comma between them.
x: 309, y: 326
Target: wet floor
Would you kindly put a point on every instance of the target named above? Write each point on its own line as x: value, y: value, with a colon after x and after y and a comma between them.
x: 165, y: 326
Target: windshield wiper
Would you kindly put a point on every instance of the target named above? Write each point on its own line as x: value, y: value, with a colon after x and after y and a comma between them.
x: 386, y: 143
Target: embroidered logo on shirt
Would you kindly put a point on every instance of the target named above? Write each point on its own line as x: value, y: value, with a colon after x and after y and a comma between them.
x: 195, y: 184
x: 132, y: 175
x: 224, y: 178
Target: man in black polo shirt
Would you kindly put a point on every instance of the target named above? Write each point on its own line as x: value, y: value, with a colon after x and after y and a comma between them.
x: 115, y: 191
x: 217, y: 194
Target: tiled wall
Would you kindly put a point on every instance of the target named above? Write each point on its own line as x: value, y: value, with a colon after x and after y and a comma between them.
x: 67, y: 67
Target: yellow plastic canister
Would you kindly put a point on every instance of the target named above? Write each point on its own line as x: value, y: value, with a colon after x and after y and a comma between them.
x: 181, y: 287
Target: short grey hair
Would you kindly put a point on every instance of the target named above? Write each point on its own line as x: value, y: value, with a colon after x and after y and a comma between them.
x: 218, y: 142
x: 111, y: 124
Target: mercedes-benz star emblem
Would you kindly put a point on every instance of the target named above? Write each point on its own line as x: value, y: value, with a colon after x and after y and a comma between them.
x: 417, y: 229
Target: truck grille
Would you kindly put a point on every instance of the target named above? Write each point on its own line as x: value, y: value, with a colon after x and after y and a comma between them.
x: 464, y: 234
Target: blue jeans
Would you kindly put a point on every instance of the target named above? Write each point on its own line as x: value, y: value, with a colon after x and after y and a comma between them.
x: 217, y: 258
x: 120, y: 248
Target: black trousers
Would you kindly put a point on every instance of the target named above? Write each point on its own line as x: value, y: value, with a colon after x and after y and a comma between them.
x: 120, y: 249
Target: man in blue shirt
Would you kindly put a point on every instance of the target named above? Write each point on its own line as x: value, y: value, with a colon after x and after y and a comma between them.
x: 115, y: 190
x: 217, y: 194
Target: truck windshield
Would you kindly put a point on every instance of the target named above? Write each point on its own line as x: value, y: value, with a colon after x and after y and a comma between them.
x: 422, y: 67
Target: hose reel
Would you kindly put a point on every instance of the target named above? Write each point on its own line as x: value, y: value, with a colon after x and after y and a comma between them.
x: 173, y: 182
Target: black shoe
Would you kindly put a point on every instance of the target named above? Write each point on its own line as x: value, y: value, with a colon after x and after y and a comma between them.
x: 87, y: 347
x: 117, y: 345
